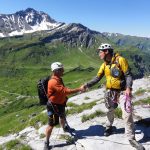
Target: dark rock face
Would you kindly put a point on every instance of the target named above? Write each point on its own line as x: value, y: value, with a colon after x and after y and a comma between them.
x: 73, y: 35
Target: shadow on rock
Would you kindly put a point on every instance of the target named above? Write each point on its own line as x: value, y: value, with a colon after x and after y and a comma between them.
x: 61, y: 145
x: 118, y: 130
x: 96, y: 130
x: 143, y: 126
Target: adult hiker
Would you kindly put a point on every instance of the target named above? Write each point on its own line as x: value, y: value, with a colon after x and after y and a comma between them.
x: 118, y: 90
x: 57, y: 98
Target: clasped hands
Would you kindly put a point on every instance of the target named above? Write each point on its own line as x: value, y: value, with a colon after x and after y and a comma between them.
x: 83, y: 88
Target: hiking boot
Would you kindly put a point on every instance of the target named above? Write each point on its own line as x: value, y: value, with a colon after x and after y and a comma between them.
x: 137, y: 145
x: 46, y: 146
x: 68, y: 129
x: 108, y: 131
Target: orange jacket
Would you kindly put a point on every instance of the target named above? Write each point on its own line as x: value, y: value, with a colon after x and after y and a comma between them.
x: 57, y: 92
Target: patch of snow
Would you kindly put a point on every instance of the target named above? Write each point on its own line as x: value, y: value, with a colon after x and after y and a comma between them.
x: 38, y: 27
x: 45, y: 26
x: 15, y: 33
x: 74, y: 29
x: 29, y: 17
x: 2, y: 35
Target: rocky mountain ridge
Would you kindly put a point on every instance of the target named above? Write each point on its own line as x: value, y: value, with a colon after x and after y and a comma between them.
x: 74, y: 34
x: 142, y: 43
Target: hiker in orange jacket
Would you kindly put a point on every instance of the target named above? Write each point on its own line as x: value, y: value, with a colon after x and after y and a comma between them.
x: 118, y: 89
x: 57, y: 98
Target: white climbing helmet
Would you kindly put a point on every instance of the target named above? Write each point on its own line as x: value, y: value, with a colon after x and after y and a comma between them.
x: 56, y: 65
x: 104, y: 46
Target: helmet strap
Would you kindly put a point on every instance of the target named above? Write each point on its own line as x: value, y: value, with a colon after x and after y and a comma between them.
x: 108, y: 58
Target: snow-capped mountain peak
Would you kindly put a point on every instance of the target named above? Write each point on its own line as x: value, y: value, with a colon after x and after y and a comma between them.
x: 26, y: 21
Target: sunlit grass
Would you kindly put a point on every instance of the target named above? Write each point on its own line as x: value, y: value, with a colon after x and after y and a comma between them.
x: 118, y: 113
x: 140, y: 91
x: 16, y: 145
x: 92, y: 115
x: 79, y: 108
x: 143, y: 101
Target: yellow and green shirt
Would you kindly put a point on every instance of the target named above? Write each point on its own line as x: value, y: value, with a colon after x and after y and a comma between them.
x: 114, y: 82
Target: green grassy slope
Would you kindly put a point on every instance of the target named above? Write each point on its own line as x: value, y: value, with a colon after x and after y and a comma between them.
x: 24, y: 60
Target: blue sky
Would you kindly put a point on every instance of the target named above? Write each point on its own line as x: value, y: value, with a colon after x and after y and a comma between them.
x: 130, y: 17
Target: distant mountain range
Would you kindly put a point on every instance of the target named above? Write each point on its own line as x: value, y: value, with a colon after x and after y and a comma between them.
x: 30, y: 20
x: 142, y: 43
x: 35, y: 38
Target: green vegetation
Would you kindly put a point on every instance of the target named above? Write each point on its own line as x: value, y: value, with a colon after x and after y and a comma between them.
x: 68, y: 138
x: 86, y: 98
x: 42, y: 136
x: 26, y: 59
x: 118, y: 113
x: 127, y: 40
x: 140, y: 92
x: 91, y: 116
x: 15, y: 145
x: 79, y: 108
x: 40, y: 119
x: 19, y: 114
x: 70, y: 104
x: 143, y: 101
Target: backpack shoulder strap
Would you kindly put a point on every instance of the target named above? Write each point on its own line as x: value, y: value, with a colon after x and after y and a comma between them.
x: 116, y: 61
